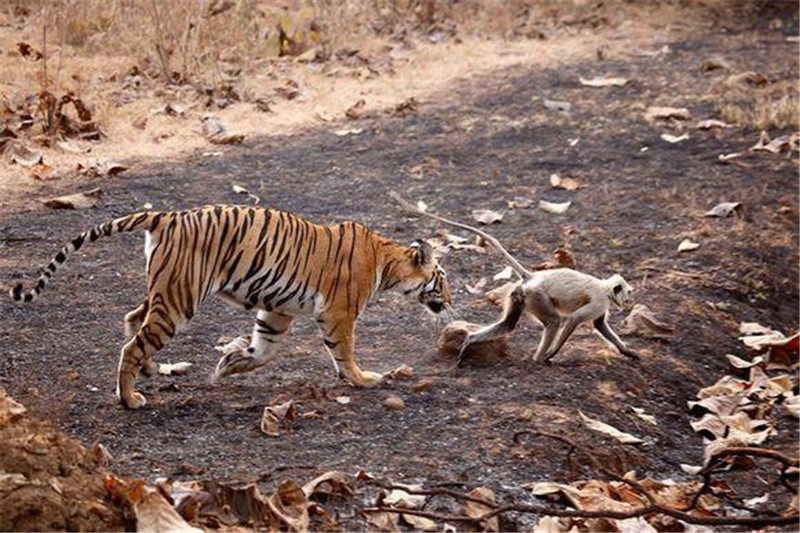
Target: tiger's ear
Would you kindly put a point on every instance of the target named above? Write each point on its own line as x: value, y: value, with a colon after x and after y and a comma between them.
x: 424, y: 253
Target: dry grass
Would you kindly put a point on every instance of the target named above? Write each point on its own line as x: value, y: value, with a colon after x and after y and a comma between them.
x: 199, y: 41
x: 763, y: 112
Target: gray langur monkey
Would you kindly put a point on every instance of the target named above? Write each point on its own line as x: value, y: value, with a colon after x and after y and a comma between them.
x: 561, y: 299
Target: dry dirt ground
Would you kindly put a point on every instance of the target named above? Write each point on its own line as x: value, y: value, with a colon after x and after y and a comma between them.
x: 481, y: 142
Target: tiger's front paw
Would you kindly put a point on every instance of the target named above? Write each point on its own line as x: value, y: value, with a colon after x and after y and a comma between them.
x: 134, y: 400
x: 369, y: 379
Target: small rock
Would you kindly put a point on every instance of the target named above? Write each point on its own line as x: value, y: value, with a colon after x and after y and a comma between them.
x: 394, y: 403
x: 186, y: 469
x: 140, y: 122
x: 424, y: 384
x: 101, y: 455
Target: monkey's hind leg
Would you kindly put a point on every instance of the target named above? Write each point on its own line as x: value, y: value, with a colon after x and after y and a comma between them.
x: 513, y: 309
x: 542, y: 308
x: 584, y: 314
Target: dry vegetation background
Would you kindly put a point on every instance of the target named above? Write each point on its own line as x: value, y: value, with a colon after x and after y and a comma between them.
x: 139, y: 75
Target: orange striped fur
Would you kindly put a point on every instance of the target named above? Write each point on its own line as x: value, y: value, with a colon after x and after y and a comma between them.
x: 262, y: 259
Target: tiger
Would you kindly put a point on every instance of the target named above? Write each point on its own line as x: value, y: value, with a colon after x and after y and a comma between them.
x: 263, y: 259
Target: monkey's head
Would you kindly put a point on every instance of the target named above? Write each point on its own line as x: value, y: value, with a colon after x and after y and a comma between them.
x: 619, y: 292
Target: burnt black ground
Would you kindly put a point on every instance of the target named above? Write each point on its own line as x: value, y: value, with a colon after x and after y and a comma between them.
x: 480, y: 144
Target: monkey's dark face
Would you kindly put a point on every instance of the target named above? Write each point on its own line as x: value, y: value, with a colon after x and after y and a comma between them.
x: 621, y: 292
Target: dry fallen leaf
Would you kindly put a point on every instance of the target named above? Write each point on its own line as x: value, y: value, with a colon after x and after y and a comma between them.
x: 344, y: 400
x: 20, y: 154
x: 9, y: 408
x: 711, y: 123
x: 722, y: 405
x: 357, y: 110
x: 477, y: 288
x: 384, y: 521
x: 776, y: 145
x: 604, y: 82
x: 737, y: 362
x: 642, y: 319
x: 72, y: 147
x: 40, y: 171
x: 554, y: 105
x: 215, y: 131
x: 650, y: 419
x: 101, y: 455
x: 290, y: 504
x: 405, y: 500
x: 611, y: 431
x: 569, y: 184
x: 550, y: 524
x: 554, y: 207
x: 348, y: 131
x: 652, y: 113
x: 154, y: 514
x: 792, y: 406
x: 520, y: 202
x: 238, y: 189
x: 420, y: 523
x: 728, y: 157
x: 111, y: 168
x: 476, y: 510
x: 322, y: 114
x: 758, y: 337
x: 332, y: 483
x: 691, y: 470
x: 745, y: 80
x: 276, y: 415
x: 486, y: 216
x: 672, y: 139
x: 174, y: 369
x: 723, y: 209
x: 81, y: 200
x: 754, y: 328
x: 714, y: 63
x: 407, y: 107
x: 506, y: 273
x: 687, y: 245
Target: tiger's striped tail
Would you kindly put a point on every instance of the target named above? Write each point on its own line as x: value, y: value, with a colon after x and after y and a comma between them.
x: 136, y: 221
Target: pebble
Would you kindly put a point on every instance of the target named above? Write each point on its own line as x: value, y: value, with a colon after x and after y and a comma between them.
x: 394, y: 403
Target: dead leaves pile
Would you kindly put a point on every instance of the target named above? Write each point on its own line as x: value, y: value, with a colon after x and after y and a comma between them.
x: 741, y: 411
x: 788, y: 143
x: 45, y: 116
x: 617, y: 496
x: 203, y: 505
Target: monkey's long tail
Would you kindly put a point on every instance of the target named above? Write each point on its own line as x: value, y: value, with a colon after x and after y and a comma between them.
x: 518, y: 268
x: 132, y: 222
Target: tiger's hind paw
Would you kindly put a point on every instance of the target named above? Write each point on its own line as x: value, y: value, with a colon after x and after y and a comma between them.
x: 236, y: 362
x: 237, y: 344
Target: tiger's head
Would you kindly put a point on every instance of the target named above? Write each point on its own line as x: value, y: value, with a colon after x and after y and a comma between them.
x: 422, y: 276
